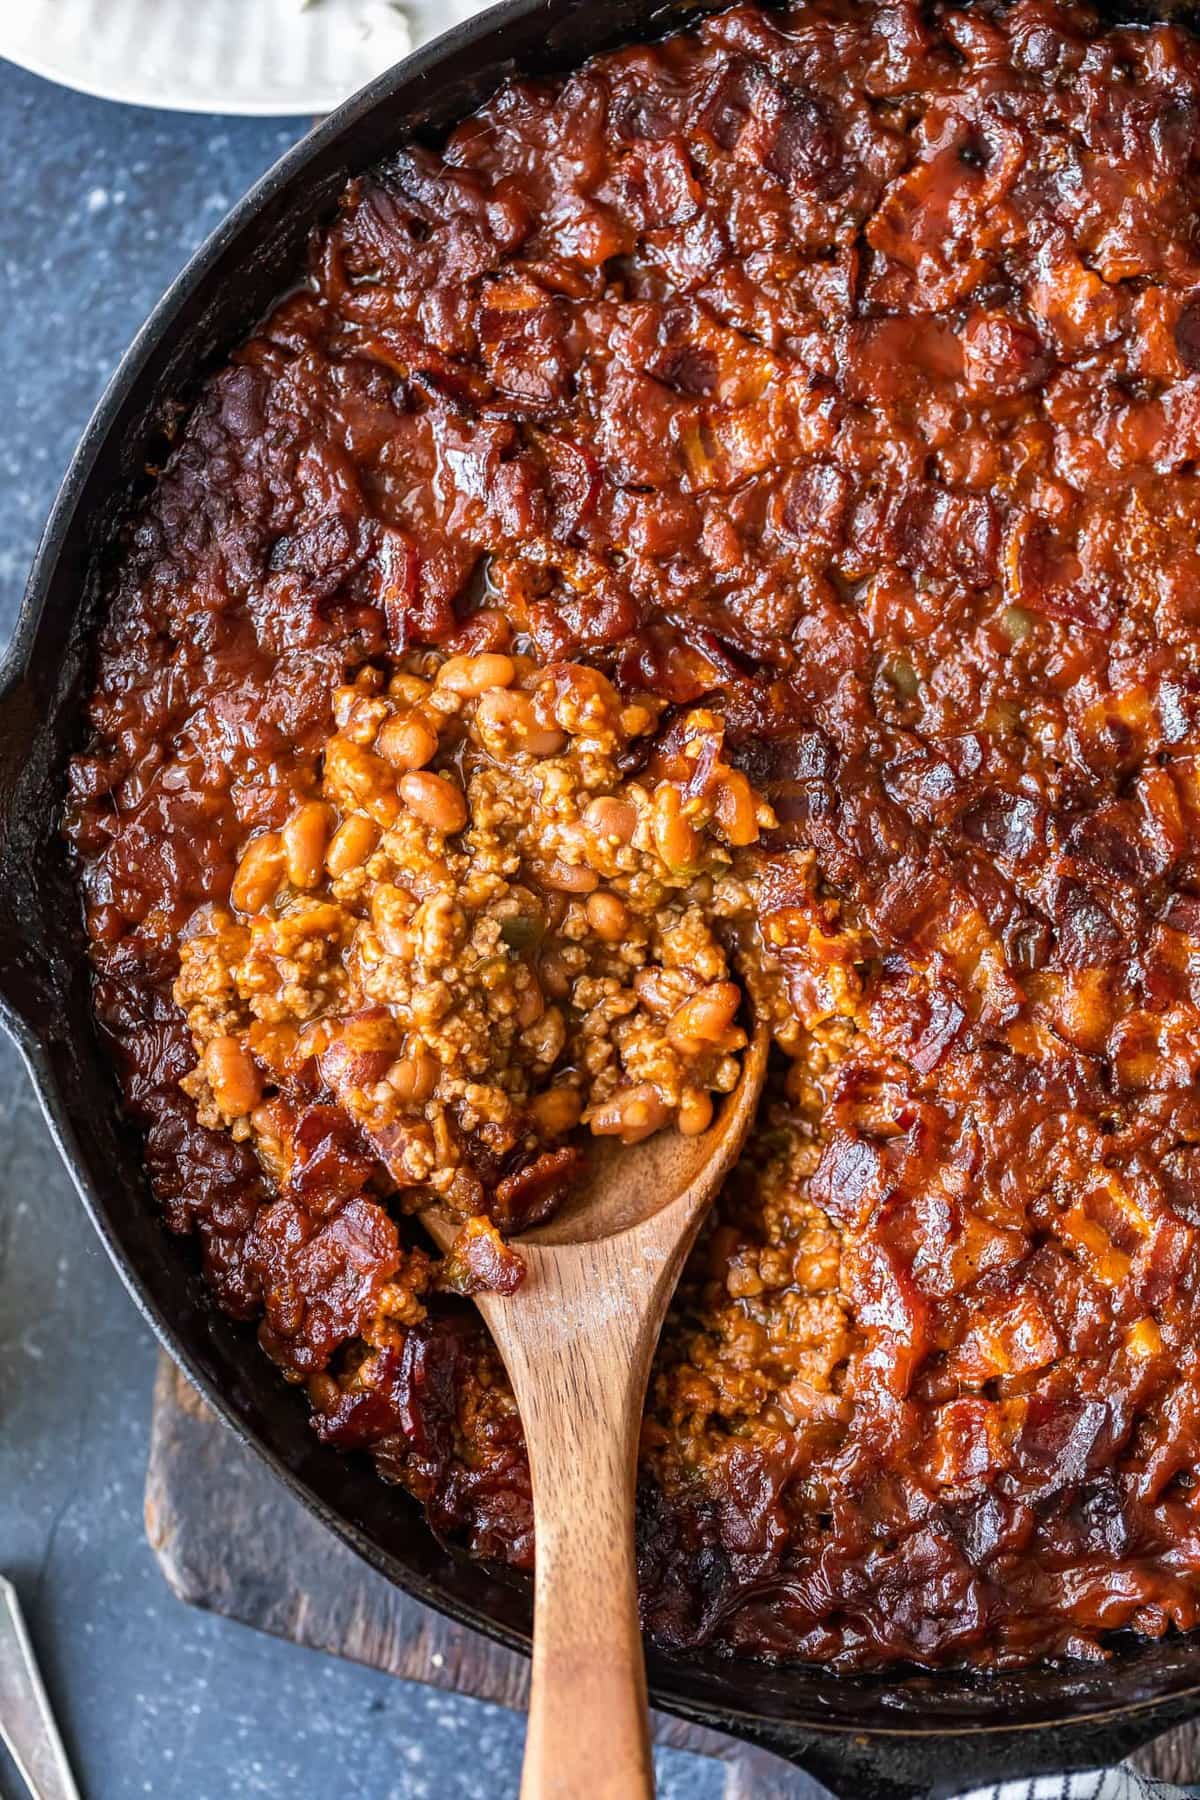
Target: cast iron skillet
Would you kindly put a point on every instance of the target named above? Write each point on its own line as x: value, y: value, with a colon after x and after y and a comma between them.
x: 894, y: 1735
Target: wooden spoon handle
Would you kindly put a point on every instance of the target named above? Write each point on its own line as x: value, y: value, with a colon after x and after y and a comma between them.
x: 578, y: 1356
x: 588, y: 1736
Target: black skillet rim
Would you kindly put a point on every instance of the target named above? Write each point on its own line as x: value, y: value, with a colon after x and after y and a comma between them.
x: 1139, y: 1718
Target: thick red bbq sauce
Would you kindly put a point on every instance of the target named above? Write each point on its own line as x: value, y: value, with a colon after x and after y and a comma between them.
x: 840, y: 366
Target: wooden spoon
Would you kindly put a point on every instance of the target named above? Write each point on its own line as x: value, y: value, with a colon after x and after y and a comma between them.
x: 577, y: 1339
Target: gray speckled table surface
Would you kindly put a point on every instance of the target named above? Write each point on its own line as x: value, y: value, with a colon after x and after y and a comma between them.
x: 102, y: 204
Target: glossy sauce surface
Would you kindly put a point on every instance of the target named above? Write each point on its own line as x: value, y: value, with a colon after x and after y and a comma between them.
x: 837, y: 368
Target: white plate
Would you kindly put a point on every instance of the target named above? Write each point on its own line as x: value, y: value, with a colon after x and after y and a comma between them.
x: 224, y: 56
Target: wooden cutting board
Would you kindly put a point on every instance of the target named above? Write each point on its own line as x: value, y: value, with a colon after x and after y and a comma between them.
x: 260, y: 1558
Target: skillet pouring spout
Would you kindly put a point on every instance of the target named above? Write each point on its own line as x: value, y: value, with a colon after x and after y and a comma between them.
x: 29, y: 990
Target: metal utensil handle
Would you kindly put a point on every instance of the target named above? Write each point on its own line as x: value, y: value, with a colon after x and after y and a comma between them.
x: 27, y: 1725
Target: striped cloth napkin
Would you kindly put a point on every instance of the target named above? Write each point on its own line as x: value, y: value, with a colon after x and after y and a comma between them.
x: 1092, y: 1784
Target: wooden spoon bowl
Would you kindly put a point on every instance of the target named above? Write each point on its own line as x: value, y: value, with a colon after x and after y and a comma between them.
x: 577, y: 1340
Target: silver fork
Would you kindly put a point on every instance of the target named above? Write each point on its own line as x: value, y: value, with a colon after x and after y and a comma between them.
x: 27, y: 1726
